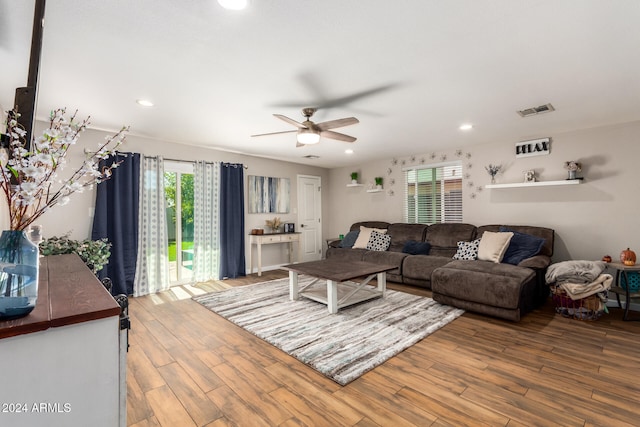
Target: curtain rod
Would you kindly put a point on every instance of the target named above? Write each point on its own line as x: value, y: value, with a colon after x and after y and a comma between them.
x: 86, y: 151
x: 189, y: 161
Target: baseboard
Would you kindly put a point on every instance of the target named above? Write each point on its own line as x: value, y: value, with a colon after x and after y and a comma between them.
x: 612, y: 303
x: 267, y: 268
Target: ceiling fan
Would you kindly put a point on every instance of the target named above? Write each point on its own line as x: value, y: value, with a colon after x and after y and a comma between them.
x: 309, y: 132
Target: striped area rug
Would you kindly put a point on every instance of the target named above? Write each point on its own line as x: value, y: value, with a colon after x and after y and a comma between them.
x: 341, y: 346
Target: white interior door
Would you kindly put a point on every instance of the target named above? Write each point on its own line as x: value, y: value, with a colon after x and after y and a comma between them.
x: 309, y: 217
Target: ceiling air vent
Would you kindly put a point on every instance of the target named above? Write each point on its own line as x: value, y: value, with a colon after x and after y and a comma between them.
x: 311, y: 156
x: 546, y: 108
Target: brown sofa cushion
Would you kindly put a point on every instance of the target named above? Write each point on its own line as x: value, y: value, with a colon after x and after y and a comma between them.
x: 483, y: 282
x: 421, y: 266
x: 401, y: 233
x: 348, y: 254
x: 448, y: 235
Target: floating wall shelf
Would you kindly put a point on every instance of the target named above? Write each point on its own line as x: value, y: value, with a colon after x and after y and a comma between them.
x: 375, y: 190
x: 535, y: 184
x: 355, y: 185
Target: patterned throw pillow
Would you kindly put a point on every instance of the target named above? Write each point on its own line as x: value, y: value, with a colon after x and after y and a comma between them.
x: 467, y: 251
x: 378, y: 241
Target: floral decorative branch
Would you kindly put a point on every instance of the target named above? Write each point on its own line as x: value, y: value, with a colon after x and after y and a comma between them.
x: 28, y: 178
x: 493, y: 170
x: 274, y: 223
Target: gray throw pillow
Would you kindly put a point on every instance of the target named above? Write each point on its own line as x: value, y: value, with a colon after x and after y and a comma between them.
x: 349, y: 239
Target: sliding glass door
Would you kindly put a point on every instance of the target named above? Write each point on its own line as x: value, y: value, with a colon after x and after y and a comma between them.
x: 178, y: 187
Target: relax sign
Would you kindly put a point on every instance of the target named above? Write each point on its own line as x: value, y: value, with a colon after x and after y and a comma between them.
x: 535, y: 147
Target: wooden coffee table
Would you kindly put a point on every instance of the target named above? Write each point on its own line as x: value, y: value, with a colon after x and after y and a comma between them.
x: 341, y: 291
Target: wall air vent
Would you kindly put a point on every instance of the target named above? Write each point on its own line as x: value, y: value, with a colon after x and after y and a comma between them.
x: 311, y: 156
x: 547, y: 108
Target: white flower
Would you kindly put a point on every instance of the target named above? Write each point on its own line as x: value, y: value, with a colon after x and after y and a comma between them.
x: 29, y: 178
x: 32, y: 172
x: 42, y: 158
x: 28, y: 187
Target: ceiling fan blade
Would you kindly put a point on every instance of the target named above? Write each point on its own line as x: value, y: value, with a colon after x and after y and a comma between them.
x: 275, y: 133
x: 322, y: 102
x: 332, y: 124
x: 345, y: 100
x: 290, y: 121
x: 336, y: 135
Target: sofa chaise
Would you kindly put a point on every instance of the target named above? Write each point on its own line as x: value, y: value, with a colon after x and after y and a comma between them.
x: 488, y: 287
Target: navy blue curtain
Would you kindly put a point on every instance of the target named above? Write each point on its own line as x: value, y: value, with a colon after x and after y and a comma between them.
x: 116, y: 218
x: 232, y: 262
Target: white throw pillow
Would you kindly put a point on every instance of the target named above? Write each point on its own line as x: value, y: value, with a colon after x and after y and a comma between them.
x: 365, y: 235
x: 493, y: 246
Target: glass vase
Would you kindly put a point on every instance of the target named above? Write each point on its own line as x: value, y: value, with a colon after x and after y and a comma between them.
x: 19, y: 266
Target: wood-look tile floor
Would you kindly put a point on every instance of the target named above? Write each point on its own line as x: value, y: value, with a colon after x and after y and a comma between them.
x: 189, y: 367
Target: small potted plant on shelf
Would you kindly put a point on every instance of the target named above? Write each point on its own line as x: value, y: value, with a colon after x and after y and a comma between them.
x: 493, y: 170
x: 354, y: 177
x: 378, y: 180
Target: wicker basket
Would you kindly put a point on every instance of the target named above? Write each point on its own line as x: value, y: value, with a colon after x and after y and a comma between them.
x: 589, y: 308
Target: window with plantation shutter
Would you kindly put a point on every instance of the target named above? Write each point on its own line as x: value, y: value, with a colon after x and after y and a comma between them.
x: 433, y: 194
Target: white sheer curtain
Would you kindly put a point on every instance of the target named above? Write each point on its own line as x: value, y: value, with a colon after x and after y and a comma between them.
x: 206, y: 220
x: 152, y: 269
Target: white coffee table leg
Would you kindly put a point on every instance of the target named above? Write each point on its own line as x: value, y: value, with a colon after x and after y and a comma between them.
x: 332, y: 296
x: 293, y: 286
x: 382, y: 282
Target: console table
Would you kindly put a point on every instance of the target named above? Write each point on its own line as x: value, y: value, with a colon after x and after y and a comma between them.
x: 62, y: 361
x: 267, y: 239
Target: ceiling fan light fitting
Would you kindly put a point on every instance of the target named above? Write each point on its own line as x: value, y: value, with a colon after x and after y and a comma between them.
x: 308, y: 137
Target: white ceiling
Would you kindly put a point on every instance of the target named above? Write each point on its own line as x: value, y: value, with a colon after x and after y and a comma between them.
x: 217, y: 76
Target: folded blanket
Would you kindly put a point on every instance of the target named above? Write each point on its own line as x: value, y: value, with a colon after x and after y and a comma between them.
x: 574, y: 271
x: 577, y: 291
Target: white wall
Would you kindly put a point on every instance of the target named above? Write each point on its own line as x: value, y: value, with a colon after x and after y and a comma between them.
x: 592, y: 219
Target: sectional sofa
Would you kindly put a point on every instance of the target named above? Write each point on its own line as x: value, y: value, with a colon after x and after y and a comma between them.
x: 493, y: 288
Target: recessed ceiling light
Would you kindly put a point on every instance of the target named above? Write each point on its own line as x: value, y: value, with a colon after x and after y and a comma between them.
x: 233, y: 4
x: 348, y: 151
x: 144, y: 102
x: 466, y: 126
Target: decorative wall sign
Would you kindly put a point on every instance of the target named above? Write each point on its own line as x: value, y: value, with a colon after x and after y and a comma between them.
x: 268, y: 195
x: 534, y: 147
